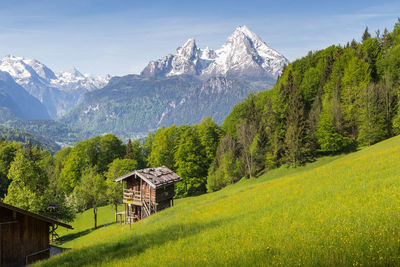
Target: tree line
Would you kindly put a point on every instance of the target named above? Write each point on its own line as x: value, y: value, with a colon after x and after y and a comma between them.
x: 82, y: 177
x: 330, y: 101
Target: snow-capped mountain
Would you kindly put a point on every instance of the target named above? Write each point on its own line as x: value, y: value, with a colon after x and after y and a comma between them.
x: 74, y: 80
x: 243, y: 55
x: 59, y: 92
x: 17, y: 103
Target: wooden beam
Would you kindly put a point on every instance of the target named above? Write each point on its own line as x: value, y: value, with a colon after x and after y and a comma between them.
x: 8, y: 222
x: 141, y: 182
x: 149, y: 200
x: 125, y: 214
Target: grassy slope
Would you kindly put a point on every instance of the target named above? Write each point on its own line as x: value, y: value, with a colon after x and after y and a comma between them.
x: 84, y: 224
x: 336, y: 211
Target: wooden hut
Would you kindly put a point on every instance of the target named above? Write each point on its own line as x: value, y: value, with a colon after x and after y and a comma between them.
x: 148, y: 191
x: 24, y: 236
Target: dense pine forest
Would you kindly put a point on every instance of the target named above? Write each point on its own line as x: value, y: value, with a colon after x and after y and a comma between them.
x: 328, y: 102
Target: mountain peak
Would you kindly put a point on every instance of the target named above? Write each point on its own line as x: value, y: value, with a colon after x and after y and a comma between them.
x: 190, y: 42
x: 11, y: 56
x: 75, y: 72
x: 244, y: 29
x: 243, y: 55
x: 188, y: 50
x: 245, y: 32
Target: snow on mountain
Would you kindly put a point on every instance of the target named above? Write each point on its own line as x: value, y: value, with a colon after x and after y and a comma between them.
x: 59, y: 92
x: 16, y: 102
x: 75, y: 80
x: 246, y: 54
x: 185, y: 61
x: 243, y: 55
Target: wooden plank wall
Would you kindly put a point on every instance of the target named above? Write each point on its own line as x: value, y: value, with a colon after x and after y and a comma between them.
x: 133, y: 183
x: 161, y: 196
x: 19, y: 239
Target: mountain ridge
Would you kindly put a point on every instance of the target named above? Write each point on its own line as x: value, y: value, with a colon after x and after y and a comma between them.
x: 244, y: 54
x: 58, y: 92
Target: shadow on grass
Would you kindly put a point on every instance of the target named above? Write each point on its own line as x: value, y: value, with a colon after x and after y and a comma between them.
x: 133, y: 244
x: 72, y: 236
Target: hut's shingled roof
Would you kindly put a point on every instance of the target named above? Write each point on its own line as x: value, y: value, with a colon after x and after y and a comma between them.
x: 156, y: 177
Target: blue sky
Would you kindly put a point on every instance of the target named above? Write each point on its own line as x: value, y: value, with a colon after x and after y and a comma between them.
x: 121, y: 37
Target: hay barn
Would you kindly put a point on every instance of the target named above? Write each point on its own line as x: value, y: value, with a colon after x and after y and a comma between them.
x: 24, y: 236
x: 147, y: 191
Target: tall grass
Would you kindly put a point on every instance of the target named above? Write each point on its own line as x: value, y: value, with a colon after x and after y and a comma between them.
x: 337, y: 211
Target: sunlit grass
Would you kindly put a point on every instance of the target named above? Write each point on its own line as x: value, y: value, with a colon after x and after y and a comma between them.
x: 336, y: 211
x: 84, y: 224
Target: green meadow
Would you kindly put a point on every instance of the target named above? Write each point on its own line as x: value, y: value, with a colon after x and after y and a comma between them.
x: 337, y: 211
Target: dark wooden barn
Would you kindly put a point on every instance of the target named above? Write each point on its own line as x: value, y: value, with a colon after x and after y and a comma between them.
x: 24, y: 236
x: 148, y: 191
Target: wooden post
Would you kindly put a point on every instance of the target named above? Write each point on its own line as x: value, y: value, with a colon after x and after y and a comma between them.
x: 149, y: 200
x: 140, y: 190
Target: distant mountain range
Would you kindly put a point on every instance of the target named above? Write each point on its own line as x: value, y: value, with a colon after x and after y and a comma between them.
x: 180, y: 88
x: 58, y: 92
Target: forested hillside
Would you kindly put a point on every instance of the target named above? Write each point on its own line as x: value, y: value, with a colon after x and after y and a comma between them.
x: 131, y: 106
x: 9, y: 135
x: 53, y: 130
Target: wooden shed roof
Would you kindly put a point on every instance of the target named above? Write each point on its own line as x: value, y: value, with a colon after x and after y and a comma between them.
x: 35, y: 215
x: 155, y: 177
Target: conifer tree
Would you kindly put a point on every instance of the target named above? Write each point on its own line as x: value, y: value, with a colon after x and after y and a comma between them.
x: 327, y: 70
x: 128, y: 151
x: 296, y: 144
x: 338, y: 120
x: 372, y: 128
x: 246, y: 137
x: 280, y: 107
x: 386, y: 39
x: 251, y: 115
x: 354, y: 44
x: 366, y: 35
x: 138, y: 154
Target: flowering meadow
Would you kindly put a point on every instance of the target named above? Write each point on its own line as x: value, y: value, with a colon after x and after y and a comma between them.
x: 337, y: 211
